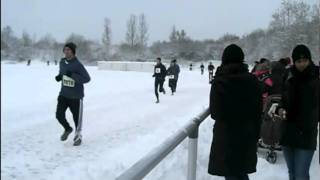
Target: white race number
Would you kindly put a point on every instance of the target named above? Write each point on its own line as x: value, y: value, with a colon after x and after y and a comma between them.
x: 67, y: 81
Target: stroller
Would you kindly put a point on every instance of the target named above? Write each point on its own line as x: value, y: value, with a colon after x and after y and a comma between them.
x: 271, y: 128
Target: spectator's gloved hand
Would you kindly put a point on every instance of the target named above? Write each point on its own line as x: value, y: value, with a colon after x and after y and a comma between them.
x: 154, y: 75
x: 58, y: 77
x: 68, y: 73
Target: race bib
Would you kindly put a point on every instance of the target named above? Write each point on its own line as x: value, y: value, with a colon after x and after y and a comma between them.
x: 171, y: 76
x: 158, y: 70
x: 67, y: 81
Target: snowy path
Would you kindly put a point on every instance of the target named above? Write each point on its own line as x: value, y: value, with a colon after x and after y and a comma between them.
x: 119, y: 111
x: 121, y: 124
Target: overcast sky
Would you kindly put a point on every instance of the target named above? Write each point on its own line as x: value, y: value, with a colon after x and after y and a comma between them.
x: 202, y: 19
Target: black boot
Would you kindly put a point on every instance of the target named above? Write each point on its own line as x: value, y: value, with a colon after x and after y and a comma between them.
x: 77, y: 140
x: 65, y: 134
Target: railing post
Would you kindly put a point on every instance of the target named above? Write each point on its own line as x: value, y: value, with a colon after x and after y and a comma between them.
x: 192, y: 153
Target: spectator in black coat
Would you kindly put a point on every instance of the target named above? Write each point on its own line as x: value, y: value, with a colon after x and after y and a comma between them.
x: 300, y: 106
x: 236, y: 107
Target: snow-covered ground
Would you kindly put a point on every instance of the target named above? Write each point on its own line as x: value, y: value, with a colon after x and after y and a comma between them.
x: 121, y: 124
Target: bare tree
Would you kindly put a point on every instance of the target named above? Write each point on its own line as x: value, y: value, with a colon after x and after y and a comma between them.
x: 25, y: 50
x: 173, y: 34
x: 301, y: 12
x: 283, y: 17
x: 287, y: 11
x: 131, y: 35
x: 143, y: 31
x: 6, y: 34
x: 10, y: 44
x: 106, y: 39
x: 26, y: 39
x: 183, y: 35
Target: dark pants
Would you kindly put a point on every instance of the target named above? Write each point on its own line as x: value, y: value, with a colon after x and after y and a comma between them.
x: 202, y: 71
x: 242, y: 177
x: 173, y: 84
x: 158, y: 84
x: 298, y: 162
x: 76, y: 108
x: 210, y: 77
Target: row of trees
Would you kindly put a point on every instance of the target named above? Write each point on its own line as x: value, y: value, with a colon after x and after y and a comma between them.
x: 27, y: 47
x: 48, y: 48
x: 294, y: 22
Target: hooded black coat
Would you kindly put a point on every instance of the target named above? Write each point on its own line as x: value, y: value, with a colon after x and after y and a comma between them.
x: 236, y: 107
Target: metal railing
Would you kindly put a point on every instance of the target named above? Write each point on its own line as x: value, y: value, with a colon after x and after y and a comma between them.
x: 141, y: 168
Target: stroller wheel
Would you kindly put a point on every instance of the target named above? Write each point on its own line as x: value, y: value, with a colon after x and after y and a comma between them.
x: 271, y: 157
